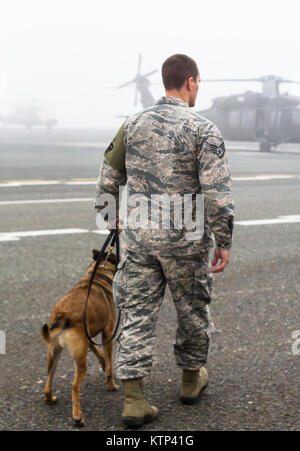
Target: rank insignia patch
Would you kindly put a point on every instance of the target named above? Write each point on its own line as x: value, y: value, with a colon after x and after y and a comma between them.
x: 218, y: 150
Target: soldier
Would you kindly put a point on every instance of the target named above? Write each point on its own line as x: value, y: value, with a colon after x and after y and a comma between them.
x: 170, y: 150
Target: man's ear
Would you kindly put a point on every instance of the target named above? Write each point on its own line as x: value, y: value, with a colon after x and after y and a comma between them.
x: 190, y: 82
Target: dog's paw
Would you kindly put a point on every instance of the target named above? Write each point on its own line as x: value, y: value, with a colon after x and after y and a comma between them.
x: 49, y: 399
x: 78, y: 422
x: 102, y: 367
x: 110, y: 386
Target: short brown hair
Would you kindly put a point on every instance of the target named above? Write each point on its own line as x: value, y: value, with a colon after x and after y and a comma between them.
x: 177, y: 69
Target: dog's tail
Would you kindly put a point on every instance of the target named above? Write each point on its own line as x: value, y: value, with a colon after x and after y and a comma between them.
x: 60, y: 323
x: 45, y: 333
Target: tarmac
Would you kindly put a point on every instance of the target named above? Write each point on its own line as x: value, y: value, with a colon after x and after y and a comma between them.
x: 47, y: 233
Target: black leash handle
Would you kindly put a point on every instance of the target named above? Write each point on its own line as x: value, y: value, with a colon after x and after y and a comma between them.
x: 113, y: 237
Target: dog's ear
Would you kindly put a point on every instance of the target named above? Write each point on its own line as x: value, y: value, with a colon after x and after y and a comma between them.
x: 95, y: 254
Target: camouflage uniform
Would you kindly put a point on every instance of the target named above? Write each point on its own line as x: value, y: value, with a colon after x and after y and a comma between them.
x: 167, y: 149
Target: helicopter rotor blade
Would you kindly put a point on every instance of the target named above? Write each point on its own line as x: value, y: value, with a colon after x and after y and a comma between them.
x: 231, y: 79
x: 290, y: 81
x: 139, y: 64
x: 150, y: 73
x: 126, y: 84
x: 261, y: 80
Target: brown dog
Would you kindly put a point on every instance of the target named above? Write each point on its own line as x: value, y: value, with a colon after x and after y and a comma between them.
x: 66, y: 330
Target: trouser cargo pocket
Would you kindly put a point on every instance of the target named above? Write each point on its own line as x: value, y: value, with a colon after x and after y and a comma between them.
x: 202, y: 286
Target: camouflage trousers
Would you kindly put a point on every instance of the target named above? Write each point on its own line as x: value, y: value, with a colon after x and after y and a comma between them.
x: 139, y: 287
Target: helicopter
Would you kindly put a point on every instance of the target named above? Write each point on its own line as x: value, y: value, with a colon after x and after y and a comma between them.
x: 142, y: 86
x: 269, y: 117
x: 34, y: 113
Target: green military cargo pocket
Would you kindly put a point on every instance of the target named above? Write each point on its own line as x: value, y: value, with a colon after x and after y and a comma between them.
x: 202, y: 287
x: 202, y: 290
x: 119, y: 285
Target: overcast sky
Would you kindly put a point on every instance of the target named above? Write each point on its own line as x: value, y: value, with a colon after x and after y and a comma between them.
x: 70, y: 53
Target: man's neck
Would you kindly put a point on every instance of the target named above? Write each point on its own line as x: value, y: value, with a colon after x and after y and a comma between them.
x: 181, y: 95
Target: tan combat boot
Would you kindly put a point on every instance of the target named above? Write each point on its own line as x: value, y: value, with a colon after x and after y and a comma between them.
x: 136, y: 410
x: 193, y: 384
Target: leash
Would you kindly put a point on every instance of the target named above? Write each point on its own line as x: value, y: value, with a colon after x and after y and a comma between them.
x: 112, y: 238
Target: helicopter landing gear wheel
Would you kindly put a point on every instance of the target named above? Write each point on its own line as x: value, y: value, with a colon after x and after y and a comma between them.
x: 265, y: 146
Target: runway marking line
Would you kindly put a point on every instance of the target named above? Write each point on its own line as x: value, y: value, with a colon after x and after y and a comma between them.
x: 45, y: 201
x: 264, y: 177
x: 280, y: 220
x: 16, y: 236
x: 92, y: 181
x: 20, y: 183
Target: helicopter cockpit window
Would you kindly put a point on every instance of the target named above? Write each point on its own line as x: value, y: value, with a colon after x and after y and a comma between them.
x: 235, y: 119
x: 286, y: 118
x: 279, y: 122
x: 296, y: 118
x: 248, y: 119
x: 273, y: 117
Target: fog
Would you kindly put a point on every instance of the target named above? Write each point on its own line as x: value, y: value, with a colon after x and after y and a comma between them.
x: 72, y: 54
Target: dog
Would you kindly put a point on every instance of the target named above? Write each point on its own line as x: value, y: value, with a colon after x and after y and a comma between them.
x: 66, y: 330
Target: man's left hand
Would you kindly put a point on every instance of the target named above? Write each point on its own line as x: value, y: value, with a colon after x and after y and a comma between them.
x: 223, y: 255
x: 118, y: 227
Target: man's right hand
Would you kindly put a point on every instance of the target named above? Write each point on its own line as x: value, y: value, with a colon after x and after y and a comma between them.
x: 223, y: 255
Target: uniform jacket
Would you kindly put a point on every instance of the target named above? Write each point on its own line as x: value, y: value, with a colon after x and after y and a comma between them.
x: 170, y: 150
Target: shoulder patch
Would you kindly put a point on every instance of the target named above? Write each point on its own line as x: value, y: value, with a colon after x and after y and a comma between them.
x: 218, y: 150
x: 110, y: 147
x: 116, y: 152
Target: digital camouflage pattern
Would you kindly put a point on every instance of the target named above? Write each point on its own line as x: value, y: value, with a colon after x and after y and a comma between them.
x: 108, y: 182
x: 171, y: 150
x: 138, y: 289
x: 167, y: 149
